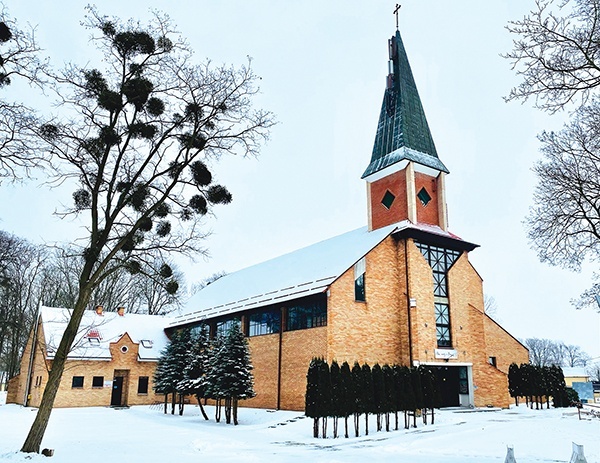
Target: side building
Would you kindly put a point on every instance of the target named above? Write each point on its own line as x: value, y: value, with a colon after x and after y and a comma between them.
x: 111, y: 363
x: 399, y: 291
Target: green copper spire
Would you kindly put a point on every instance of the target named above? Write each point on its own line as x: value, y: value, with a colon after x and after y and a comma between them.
x: 402, y: 132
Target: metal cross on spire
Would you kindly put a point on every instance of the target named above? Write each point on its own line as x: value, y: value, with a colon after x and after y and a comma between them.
x: 398, y: 6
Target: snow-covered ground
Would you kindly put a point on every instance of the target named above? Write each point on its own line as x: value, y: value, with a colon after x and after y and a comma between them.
x: 145, y: 434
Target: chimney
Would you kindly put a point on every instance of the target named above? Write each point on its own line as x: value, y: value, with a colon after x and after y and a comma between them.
x: 121, y: 311
x: 99, y: 310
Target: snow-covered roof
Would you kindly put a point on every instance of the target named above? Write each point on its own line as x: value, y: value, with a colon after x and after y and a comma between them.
x: 300, y: 273
x: 573, y: 372
x: 96, y: 332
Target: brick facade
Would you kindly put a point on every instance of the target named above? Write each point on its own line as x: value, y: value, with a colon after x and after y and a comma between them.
x: 124, y: 363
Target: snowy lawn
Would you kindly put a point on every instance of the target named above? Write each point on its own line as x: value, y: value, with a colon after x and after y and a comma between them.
x: 145, y: 434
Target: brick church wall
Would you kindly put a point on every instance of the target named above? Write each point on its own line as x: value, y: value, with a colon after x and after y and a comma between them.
x: 430, y: 212
x: 375, y: 330
x: 380, y: 216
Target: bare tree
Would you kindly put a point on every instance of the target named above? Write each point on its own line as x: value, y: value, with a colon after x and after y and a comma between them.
x: 137, y: 138
x: 573, y: 356
x: 490, y: 306
x: 18, y: 60
x: 20, y: 265
x: 557, y: 55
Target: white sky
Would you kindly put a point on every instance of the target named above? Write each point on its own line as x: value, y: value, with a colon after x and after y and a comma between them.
x: 323, y: 67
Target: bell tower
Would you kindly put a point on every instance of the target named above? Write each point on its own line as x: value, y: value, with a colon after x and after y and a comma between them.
x: 405, y: 178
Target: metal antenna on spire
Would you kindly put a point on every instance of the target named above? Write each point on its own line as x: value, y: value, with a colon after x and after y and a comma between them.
x: 398, y: 6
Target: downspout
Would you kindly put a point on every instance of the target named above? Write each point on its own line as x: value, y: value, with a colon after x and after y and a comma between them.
x: 279, y: 359
x: 32, y: 355
x: 410, y: 348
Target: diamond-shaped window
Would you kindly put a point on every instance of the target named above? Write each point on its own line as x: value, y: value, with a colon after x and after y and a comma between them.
x: 388, y: 199
x: 423, y: 196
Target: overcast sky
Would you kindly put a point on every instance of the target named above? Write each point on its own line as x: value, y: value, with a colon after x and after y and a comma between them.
x: 323, y: 66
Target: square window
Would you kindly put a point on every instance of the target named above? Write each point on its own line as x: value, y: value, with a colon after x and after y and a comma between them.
x: 77, y: 382
x: 143, y: 385
x: 388, y: 199
x: 98, y: 381
x: 423, y: 196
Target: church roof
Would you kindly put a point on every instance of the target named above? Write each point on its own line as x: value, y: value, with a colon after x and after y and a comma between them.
x: 402, y: 132
x: 301, y: 273
x: 96, y: 332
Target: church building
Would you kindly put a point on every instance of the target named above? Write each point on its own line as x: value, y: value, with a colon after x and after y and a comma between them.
x: 399, y: 291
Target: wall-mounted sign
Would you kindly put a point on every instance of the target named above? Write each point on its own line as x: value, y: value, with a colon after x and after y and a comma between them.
x: 107, y: 383
x: 446, y: 354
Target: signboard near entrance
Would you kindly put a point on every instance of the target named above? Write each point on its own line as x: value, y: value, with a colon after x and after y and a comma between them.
x: 446, y: 354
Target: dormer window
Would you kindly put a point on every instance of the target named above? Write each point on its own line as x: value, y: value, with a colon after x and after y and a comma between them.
x: 147, y: 343
x: 423, y: 196
x: 93, y: 333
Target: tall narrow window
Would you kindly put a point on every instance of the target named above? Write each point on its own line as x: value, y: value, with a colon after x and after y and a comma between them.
x: 359, y: 281
x: 223, y: 327
x: 440, y: 260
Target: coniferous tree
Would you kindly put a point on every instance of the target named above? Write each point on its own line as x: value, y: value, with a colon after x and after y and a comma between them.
x: 415, y: 378
x: 514, y: 379
x: 357, y: 393
x: 194, y: 381
x: 399, y: 392
x: 235, y: 381
x: 324, y: 398
x: 378, y: 394
x: 367, y: 394
x: 347, y: 395
x: 409, y: 402
x: 428, y: 385
x: 337, y: 406
x: 390, y: 394
x: 213, y: 375
x: 170, y: 368
x: 311, y: 400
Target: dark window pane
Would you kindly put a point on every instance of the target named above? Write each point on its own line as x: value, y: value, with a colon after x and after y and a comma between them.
x: 423, y: 196
x: 359, y: 288
x: 264, y: 322
x: 98, y: 381
x: 307, y: 315
x: 388, y: 199
x: 143, y: 385
x: 77, y: 381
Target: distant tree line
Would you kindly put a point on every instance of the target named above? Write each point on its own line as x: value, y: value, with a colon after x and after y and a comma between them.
x: 546, y: 352
x: 538, y: 383
x: 334, y: 391
x: 31, y: 275
x: 219, y: 369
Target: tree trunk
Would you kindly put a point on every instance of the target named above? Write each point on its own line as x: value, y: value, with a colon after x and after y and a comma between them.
x: 38, y: 428
x: 181, y: 404
x: 315, y: 427
x: 218, y: 410
x: 432, y: 415
x: 346, y: 426
x: 335, y: 427
x: 356, y: 424
x: 235, y: 411
x: 424, y: 413
x: 228, y: 410
x: 173, y: 402
x: 166, y: 402
x: 387, y: 422
x: 324, y: 430
x: 396, y: 414
x: 366, y: 424
x: 202, y: 408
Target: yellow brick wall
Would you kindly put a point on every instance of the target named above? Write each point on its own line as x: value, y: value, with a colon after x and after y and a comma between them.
x: 375, y: 330
x: 264, y: 354
x: 88, y: 396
